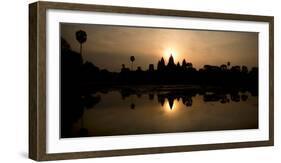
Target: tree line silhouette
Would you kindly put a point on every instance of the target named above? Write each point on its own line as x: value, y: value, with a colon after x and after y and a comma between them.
x: 184, y: 73
x: 82, y: 77
x: 74, y: 68
x: 89, y: 75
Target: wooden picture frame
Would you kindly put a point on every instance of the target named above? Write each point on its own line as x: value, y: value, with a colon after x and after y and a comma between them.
x: 38, y: 80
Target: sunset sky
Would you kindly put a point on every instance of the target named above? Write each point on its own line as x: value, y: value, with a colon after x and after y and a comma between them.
x: 108, y: 47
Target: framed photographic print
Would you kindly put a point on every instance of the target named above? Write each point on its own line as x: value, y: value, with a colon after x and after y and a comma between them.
x: 111, y: 81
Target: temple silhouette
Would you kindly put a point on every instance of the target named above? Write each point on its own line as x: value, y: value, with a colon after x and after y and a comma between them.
x: 86, y: 74
x: 170, y: 74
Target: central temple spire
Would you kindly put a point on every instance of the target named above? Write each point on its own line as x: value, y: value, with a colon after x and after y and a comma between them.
x: 171, y: 60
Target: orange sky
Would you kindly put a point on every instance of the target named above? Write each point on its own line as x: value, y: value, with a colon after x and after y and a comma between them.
x: 109, y: 47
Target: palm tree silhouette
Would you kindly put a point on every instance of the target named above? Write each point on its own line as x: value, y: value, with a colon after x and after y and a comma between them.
x: 228, y: 64
x: 81, y: 37
x: 132, y: 58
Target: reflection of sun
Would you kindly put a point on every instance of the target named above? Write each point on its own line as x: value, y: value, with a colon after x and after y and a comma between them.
x: 171, y: 107
x: 168, y: 52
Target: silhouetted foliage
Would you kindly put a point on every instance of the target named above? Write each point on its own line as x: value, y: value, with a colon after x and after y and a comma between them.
x: 223, y: 75
x: 228, y: 64
x: 81, y: 37
x: 132, y: 59
x: 170, y: 74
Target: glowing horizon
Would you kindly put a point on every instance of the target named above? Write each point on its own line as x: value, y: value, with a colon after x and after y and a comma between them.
x: 108, y: 47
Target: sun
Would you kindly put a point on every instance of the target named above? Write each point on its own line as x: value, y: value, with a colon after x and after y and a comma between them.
x: 168, y: 52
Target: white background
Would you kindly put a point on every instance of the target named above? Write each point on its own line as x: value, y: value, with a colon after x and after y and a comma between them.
x: 14, y: 80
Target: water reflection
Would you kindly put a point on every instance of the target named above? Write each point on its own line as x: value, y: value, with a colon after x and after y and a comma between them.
x: 104, y: 113
x: 186, y: 97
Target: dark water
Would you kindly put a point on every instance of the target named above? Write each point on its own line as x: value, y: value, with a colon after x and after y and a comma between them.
x: 162, y: 110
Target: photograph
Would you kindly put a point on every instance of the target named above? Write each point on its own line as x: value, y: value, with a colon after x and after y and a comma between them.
x: 126, y: 80
x: 108, y: 80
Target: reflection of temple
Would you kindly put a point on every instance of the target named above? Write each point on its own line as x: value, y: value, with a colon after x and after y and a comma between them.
x: 171, y: 102
x: 207, y: 97
x: 185, y: 96
x: 167, y: 98
x: 171, y: 97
